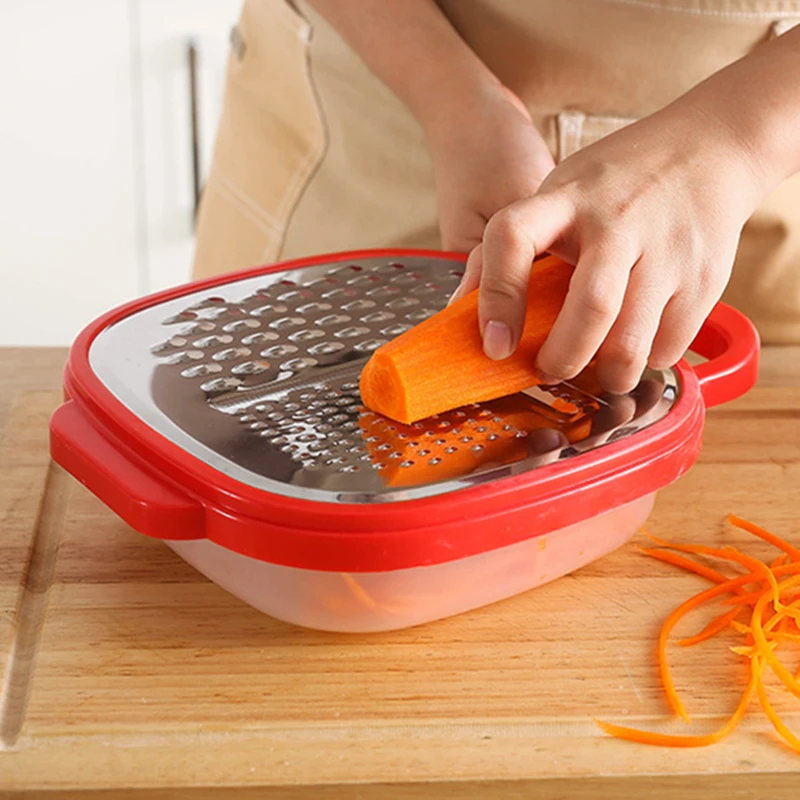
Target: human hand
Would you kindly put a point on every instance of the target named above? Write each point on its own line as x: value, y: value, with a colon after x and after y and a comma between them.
x: 651, y: 217
x: 485, y: 158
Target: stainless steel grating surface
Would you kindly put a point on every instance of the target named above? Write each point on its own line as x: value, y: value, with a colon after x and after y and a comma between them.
x: 259, y: 378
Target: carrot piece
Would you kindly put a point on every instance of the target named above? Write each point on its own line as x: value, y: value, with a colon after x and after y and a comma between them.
x: 728, y: 553
x: 759, y: 636
x: 685, y: 563
x: 772, y: 715
x: 670, y: 740
x: 439, y: 364
x: 448, y: 447
x: 359, y: 591
x: 774, y: 540
x: 714, y: 627
x: 763, y: 636
x: 672, y: 620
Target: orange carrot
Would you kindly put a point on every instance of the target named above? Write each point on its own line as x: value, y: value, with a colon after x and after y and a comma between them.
x: 460, y: 442
x: 686, y: 563
x: 774, y: 540
x: 763, y: 636
x: 772, y: 715
x: 728, y: 553
x: 714, y: 627
x: 439, y: 364
x: 670, y: 740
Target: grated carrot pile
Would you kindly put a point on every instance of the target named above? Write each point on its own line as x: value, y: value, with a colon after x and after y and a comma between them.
x: 769, y: 593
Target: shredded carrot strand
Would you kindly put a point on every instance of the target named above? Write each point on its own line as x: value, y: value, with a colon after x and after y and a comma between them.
x: 777, y: 723
x: 670, y: 740
x: 728, y: 553
x: 774, y: 662
x: 758, y: 531
x: 691, y: 566
x: 775, y: 615
x: 359, y: 591
x: 714, y: 627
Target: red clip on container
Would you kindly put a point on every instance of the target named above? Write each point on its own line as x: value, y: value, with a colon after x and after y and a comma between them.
x: 224, y: 418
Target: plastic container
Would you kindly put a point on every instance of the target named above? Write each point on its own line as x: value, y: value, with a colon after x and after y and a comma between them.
x: 224, y: 418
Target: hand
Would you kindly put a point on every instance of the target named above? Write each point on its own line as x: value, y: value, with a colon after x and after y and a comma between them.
x: 651, y: 217
x: 485, y: 158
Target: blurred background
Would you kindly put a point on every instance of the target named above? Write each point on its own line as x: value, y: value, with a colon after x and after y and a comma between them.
x: 108, y: 112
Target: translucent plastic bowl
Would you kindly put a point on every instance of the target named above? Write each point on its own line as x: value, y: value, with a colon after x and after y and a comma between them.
x: 381, y: 601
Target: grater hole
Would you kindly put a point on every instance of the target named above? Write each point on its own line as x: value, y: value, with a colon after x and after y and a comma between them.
x: 400, y: 303
x: 185, y: 357
x: 369, y: 345
x: 260, y: 338
x: 296, y: 296
x: 279, y: 350
x: 421, y: 314
x: 434, y: 461
x: 287, y: 322
x: 199, y: 370
x: 269, y: 309
x: 241, y: 325
x: 306, y: 335
x: 378, y: 316
x: 364, y: 280
x: 333, y: 319
x: 326, y: 348
x: 341, y: 294
x: 395, y: 330
x: 358, y: 305
x: 313, y: 308
x: 295, y: 364
x: 231, y: 353
x: 251, y: 368
x: 220, y: 384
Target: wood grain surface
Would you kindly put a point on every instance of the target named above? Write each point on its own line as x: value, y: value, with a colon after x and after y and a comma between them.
x: 151, y: 682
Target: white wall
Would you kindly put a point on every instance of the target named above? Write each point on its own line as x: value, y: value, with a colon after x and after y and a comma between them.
x: 95, y: 153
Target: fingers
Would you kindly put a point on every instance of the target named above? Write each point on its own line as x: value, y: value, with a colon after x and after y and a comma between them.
x: 511, y: 240
x: 683, y: 317
x: 591, y: 307
x: 472, y: 275
x: 624, y: 354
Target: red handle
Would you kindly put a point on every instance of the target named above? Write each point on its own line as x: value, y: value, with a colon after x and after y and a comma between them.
x: 147, y: 503
x: 730, y: 343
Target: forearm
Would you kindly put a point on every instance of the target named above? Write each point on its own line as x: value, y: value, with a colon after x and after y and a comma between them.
x: 758, y: 100
x: 412, y: 48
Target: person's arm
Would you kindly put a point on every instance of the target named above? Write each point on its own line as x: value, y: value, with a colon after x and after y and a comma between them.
x: 485, y: 150
x: 651, y: 216
x: 412, y: 48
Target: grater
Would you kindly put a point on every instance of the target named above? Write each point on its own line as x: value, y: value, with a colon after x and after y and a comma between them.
x: 224, y: 418
x: 259, y: 379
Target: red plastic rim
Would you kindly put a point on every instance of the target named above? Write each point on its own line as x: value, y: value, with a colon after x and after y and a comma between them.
x: 162, y: 491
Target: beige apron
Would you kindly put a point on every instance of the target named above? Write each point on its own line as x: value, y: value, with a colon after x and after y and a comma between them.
x: 314, y: 154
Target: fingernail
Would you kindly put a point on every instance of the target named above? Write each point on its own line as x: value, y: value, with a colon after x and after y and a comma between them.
x: 497, y: 340
x: 545, y: 379
x: 456, y: 294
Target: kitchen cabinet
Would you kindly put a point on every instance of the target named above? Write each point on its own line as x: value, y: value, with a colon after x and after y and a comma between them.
x: 96, y: 153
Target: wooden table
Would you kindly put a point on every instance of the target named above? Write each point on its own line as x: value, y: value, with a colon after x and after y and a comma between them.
x: 150, y: 677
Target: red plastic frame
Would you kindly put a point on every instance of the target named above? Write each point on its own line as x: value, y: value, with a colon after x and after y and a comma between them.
x: 162, y: 491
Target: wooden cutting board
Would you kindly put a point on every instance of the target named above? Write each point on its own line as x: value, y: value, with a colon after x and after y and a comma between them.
x: 149, y: 677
